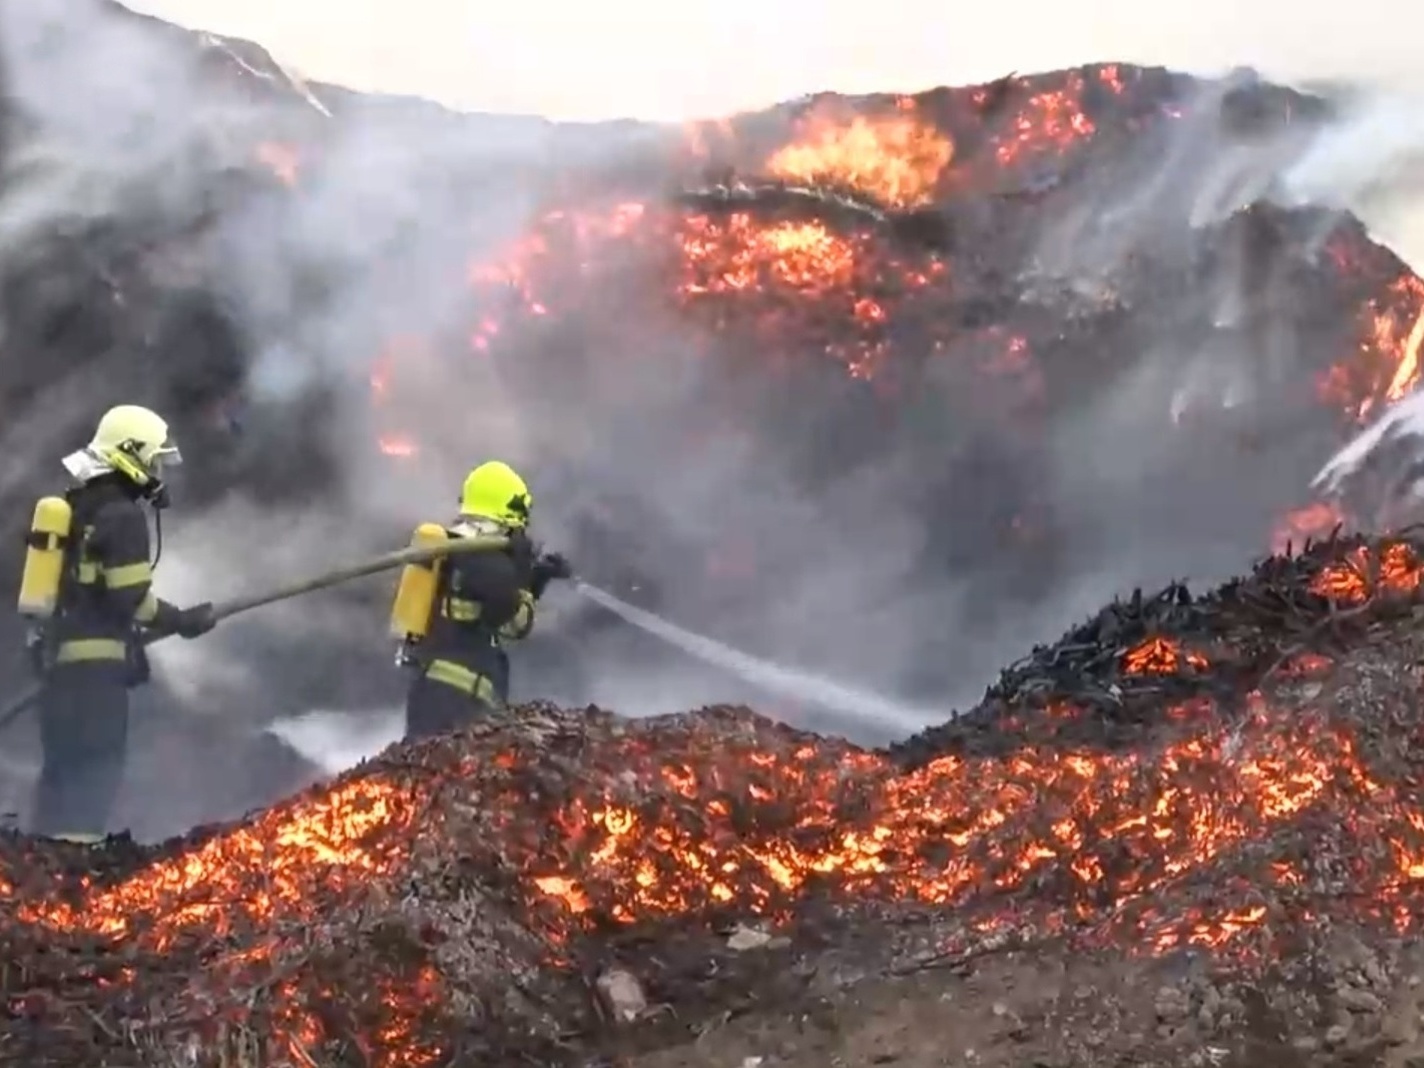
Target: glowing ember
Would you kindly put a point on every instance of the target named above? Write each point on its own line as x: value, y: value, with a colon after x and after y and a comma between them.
x: 1307, y: 664
x: 1048, y: 123
x: 821, y: 280
x: 584, y: 824
x: 955, y: 830
x: 292, y: 850
x: 1395, y: 570
x: 896, y: 159
x: 1160, y: 656
x: 743, y: 255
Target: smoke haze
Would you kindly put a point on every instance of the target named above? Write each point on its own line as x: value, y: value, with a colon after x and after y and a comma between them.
x: 662, y: 454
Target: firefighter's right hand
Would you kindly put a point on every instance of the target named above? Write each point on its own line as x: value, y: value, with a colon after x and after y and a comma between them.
x: 555, y: 565
x: 196, y: 621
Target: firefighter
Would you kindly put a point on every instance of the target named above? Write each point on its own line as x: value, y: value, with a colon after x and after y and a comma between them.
x: 87, y: 591
x: 453, y: 616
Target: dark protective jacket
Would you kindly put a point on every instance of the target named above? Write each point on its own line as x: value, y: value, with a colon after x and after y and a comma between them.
x: 482, y: 600
x: 106, y: 593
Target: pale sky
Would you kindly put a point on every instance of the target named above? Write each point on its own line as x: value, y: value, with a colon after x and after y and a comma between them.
x: 650, y: 59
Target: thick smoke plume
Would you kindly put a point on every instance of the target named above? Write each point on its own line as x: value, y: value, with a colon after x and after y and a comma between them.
x: 357, y: 361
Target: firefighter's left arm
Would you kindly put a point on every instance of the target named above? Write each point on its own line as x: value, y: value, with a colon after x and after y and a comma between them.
x: 522, y: 622
x: 517, y: 568
x: 500, y: 586
x: 119, y: 545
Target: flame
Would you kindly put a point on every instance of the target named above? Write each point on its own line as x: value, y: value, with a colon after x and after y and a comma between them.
x: 828, y: 285
x: 1160, y: 656
x: 283, y: 160
x: 848, y: 287
x: 1386, y: 363
x: 742, y: 255
x: 895, y: 159
x: 1315, y: 520
x: 1357, y: 578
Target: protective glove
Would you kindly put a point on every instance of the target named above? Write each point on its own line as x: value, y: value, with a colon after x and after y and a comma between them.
x: 548, y: 567
x: 555, y: 565
x: 195, y: 621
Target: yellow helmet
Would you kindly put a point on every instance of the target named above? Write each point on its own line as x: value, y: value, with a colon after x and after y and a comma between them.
x: 134, y: 441
x: 495, y: 491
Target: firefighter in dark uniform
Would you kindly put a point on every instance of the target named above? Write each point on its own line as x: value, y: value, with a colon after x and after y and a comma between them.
x: 87, y: 590
x: 454, y: 616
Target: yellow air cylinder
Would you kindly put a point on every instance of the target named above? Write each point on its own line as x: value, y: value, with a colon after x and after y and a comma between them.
x: 415, y: 596
x: 44, y: 557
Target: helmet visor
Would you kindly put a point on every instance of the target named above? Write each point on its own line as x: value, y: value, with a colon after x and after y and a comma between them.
x: 165, y: 456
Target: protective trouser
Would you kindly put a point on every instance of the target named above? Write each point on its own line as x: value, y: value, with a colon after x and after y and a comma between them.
x: 84, y: 722
x: 447, y: 696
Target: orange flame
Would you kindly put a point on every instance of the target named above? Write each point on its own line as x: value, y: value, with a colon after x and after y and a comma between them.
x: 1355, y: 579
x: 1315, y: 520
x: 1386, y: 367
x: 742, y: 255
x: 1160, y: 656
x: 895, y: 159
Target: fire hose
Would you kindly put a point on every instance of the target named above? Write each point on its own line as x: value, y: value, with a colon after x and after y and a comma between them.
x: 227, y: 609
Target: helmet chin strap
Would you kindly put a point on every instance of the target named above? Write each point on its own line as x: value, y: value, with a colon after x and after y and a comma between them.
x: 157, y: 534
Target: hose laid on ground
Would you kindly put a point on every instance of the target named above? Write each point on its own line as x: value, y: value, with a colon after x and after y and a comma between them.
x: 225, y: 609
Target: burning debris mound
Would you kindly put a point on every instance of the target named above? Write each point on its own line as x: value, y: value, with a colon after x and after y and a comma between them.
x: 950, y: 287
x: 1231, y: 775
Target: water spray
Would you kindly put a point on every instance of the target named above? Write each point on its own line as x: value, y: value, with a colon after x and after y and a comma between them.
x: 784, y: 681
